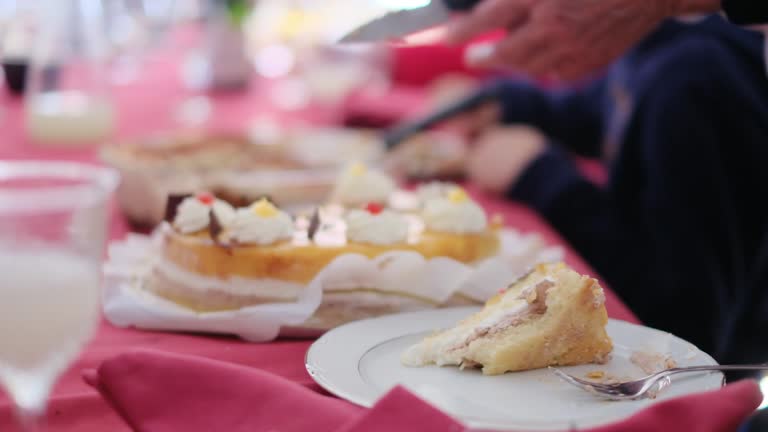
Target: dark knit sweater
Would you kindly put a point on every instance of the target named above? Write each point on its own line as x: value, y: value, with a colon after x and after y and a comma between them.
x: 680, y: 231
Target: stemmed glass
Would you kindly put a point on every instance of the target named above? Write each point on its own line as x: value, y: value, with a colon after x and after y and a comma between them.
x: 53, y: 222
x: 68, y: 97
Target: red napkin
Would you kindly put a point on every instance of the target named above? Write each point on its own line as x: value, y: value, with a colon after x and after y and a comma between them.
x: 159, y: 392
x: 162, y: 392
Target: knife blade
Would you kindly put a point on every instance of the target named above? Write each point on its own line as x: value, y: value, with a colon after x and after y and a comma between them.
x: 398, y: 24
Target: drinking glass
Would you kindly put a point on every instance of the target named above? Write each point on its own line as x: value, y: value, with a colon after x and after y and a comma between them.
x: 53, y: 222
x: 68, y: 97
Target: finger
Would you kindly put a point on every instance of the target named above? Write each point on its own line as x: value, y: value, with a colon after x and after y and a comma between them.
x: 489, y: 15
x: 515, y: 51
x: 548, y: 63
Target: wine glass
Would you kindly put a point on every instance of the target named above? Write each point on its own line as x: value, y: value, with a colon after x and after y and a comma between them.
x: 53, y: 220
x: 68, y: 97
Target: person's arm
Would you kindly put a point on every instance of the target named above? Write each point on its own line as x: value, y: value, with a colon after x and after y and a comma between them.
x: 583, y: 213
x: 571, y: 117
x: 572, y: 38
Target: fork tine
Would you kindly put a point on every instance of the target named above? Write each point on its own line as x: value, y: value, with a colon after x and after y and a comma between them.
x: 580, y: 382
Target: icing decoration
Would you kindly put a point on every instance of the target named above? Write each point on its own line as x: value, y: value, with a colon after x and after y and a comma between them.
x: 374, y: 208
x: 215, y: 228
x: 172, y: 206
x: 264, y: 208
x: 205, y: 198
x: 314, y: 224
x: 457, y: 196
x: 357, y: 169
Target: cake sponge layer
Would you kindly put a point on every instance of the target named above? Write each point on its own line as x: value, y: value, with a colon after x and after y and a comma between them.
x: 551, y: 317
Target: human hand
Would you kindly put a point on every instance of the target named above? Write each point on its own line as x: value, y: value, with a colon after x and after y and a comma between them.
x: 450, y: 89
x: 564, y: 38
x: 501, y: 155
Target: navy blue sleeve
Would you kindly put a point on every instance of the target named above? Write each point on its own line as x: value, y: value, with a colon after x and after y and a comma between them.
x: 579, y: 209
x: 678, y: 226
x: 746, y: 12
x: 571, y: 116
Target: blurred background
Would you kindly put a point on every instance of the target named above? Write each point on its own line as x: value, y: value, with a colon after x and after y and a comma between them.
x: 213, y: 94
x: 251, y: 98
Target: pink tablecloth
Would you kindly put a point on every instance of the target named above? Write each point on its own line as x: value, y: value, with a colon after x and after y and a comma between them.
x: 77, y: 407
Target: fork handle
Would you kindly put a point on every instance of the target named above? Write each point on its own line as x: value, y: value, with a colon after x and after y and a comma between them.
x: 746, y: 367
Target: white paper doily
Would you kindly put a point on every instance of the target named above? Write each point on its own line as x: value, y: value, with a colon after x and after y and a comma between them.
x: 131, y: 262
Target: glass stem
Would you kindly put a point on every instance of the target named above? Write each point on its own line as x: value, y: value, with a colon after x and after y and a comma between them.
x: 29, y: 392
x: 29, y: 420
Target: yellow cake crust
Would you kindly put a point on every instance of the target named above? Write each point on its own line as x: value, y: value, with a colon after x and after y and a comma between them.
x: 301, y: 262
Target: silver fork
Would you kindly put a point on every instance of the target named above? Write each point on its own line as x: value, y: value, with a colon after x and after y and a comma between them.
x: 640, y: 388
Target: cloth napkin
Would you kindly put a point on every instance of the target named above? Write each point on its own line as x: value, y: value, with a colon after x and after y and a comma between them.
x: 162, y: 392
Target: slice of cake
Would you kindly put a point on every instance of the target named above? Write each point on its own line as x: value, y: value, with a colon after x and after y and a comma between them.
x: 551, y: 317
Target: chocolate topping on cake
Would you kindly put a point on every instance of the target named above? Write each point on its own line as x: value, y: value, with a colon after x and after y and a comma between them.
x: 314, y: 224
x: 214, y: 227
x: 172, y: 206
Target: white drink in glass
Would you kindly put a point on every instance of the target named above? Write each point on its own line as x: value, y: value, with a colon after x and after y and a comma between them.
x: 49, y: 307
x: 53, y: 219
x: 69, y: 117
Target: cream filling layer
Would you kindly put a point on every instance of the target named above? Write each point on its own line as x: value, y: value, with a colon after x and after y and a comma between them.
x: 442, y: 350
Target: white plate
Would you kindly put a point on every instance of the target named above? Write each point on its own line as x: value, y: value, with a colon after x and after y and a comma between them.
x: 360, y: 362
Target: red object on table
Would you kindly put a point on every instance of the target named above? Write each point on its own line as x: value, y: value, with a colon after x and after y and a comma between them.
x: 420, y: 64
x: 162, y: 392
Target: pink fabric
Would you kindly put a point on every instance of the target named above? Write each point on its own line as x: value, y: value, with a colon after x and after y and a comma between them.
x: 211, y: 395
x: 162, y: 392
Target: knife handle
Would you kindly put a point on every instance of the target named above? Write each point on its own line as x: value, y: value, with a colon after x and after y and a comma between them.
x: 400, y: 133
x: 461, y: 5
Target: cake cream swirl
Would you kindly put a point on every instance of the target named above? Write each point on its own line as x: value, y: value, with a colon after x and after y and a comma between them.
x: 384, y: 228
x: 261, y: 224
x: 455, y: 213
x: 434, y: 190
x: 358, y: 186
x: 194, y: 213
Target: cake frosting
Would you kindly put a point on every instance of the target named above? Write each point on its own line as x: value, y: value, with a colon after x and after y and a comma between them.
x: 261, y: 224
x: 358, y: 185
x: 376, y: 227
x: 434, y: 190
x: 194, y: 213
x: 454, y: 213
